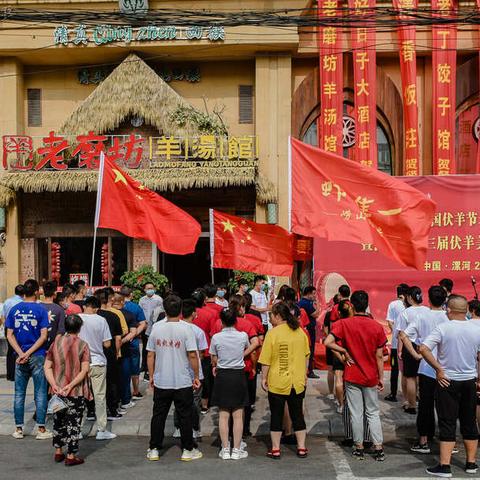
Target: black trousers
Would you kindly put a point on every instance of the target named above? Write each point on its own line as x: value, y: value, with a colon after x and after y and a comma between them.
x: 144, y: 367
x: 11, y: 363
x: 457, y: 401
x: 393, y: 372
x: 295, y: 408
x: 208, y: 378
x: 113, y: 385
x: 312, y: 334
x: 426, y: 406
x: 162, y: 401
x: 252, y: 396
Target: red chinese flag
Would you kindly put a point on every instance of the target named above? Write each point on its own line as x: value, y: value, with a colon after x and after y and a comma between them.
x: 125, y: 205
x: 339, y: 199
x: 253, y: 247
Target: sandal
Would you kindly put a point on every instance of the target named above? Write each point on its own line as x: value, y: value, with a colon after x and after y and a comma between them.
x: 274, y: 454
x: 302, y: 452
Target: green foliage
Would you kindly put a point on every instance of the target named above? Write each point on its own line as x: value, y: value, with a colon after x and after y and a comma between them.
x: 136, y: 279
x: 204, y: 122
x: 240, y: 275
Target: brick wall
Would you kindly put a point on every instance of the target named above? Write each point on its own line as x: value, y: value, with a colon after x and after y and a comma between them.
x: 142, y: 253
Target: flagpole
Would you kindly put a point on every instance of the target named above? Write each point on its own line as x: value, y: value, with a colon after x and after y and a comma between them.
x: 212, y: 242
x: 97, y: 211
x: 290, y: 184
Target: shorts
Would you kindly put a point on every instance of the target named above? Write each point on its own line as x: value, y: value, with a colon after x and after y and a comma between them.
x: 337, y: 364
x: 135, y: 361
x: 410, y: 365
x: 329, y: 356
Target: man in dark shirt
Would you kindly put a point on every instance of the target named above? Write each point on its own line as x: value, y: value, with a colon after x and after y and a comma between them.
x: 56, y: 314
x: 307, y: 302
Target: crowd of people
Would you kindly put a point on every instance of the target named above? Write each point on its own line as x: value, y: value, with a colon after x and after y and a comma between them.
x: 86, y: 353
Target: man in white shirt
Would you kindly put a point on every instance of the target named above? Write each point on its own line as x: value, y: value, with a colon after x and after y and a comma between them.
x: 457, y: 343
x: 96, y: 333
x: 418, y: 330
x: 152, y: 306
x: 395, y: 309
x: 410, y: 364
x: 259, y: 300
x: 172, y: 350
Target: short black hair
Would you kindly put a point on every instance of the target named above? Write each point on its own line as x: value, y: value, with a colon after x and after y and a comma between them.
x: 68, y: 289
x: 92, y: 302
x: 210, y: 290
x: 228, y: 317
x: 188, y: 308
x: 31, y: 287
x: 148, y: 283
x: 77, y: 284
x: 308, y: 290
x: 474, y: 307
x: 49, y: 288
x: 447, y: 284
x: 402, y: 289
x: 437, y: 295
x: 344, y: 291
x: 222, y: 286
x: 59, y: 297
x: 416, y: 294
x: 257, y: 278
x: 198, y: 296
x: 102, y: 296
x: 243, y: 281
x: 125, y: 291
x: 73, y: 323
x: 173, y: 306
x: 20, y: 290
x: 359, y: 300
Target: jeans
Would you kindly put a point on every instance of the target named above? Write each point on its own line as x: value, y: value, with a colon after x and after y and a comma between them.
x: 183, y: 401
x: 363, y: 401
x: 125, y: 379
x: 34, y: 369
x: 394, y: 372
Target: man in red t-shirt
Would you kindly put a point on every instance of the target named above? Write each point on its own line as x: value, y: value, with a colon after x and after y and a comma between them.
x: 211, y: 291
x: 360, y: 340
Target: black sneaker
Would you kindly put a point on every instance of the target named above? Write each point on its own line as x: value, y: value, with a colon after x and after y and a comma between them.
x: 312, y: 375
x: 419, y: 448
x: 112, y: 418
x: 359, y: 453
x: 410, y: 410
x: 367, y: 445
x: 471, y: 467
x: 379, y: 455
x: 348, y: 442
x: 91, y: 418
x: 391, y: 398
x: 443, y: 471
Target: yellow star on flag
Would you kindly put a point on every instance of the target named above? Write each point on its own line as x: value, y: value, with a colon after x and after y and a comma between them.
x: 119, y: 176
x: 141, y: 187
x: 249, y: 229
x: 227, y: 226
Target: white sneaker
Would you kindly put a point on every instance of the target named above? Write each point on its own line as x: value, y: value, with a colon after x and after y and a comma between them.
x: 238, y: 454
x: 18, y: 434
x: 128, y: 405
x: 122, y: 411
x: 189, y: 455
x: 45, y: 435
x: 224, y: 454
x: 339, y: 409
x: 105, y: 435
x: 331, y: 396
x: 80, y: 436
x: 176, y: 433
x: 197, y: 434
x: 243, y: 445
x: 153, y: 455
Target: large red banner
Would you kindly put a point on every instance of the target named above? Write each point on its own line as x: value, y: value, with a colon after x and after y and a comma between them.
x: 331, y: 80
x: 364, y: 78
x: 454, y: 249
x: 408, y: 70
x: 444, y: 58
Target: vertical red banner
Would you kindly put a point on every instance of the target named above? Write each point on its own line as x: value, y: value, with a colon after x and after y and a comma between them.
x: 408, y: 70
x: 364, y: 79
x: 477, y: 164
x: 444, y: 63
x: 331, y: 80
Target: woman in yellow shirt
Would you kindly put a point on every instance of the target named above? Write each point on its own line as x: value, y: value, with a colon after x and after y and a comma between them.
x: 284, y: 360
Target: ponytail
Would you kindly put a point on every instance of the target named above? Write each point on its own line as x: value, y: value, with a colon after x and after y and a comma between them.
x: 284, y: 312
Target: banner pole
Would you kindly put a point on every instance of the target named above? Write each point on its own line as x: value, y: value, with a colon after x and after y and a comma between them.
x: 290, y: 184
x: 97, y: 213
x: 212, y: 242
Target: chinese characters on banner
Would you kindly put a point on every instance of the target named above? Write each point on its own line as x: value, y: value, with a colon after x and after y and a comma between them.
x: 59, y: 153
x: 331, y: 81
x: 444, y: 58
x: 477, y: 165
x: 408, y: 70
x: 364, y: 78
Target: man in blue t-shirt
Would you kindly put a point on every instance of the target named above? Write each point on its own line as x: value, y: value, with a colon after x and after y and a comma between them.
x: 141, y: 325
x: 27, y: 330
x: 307, y: 302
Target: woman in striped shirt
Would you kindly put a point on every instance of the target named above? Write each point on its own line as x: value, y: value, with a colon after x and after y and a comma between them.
x: 66, y: 369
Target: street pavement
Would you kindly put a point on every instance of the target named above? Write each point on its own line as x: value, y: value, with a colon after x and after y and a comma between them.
x: 124, y: 457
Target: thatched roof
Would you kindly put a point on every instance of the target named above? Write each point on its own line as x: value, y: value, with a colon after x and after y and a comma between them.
x: 133, y: 88
x: 161, y: 180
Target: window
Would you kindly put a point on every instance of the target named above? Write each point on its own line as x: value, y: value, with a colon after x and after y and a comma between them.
x: 384, y: 154
x: 245, y: 104
x: 34, y: 100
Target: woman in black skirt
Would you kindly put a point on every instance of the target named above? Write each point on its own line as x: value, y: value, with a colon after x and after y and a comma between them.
x: 230, y: 394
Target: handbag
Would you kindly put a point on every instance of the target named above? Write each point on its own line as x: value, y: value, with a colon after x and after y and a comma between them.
x: 56, y: 405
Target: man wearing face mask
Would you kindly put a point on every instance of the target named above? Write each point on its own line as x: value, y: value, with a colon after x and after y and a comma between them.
x: 149, y: 302
x: 260, y: 302
x: 220, y: 296
x: 242, y: 287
